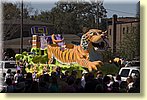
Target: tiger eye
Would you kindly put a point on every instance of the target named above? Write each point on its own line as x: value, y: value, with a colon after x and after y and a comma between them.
x: 91, y: 33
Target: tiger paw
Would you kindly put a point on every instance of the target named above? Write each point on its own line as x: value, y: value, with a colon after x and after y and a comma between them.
x: 93, y: 65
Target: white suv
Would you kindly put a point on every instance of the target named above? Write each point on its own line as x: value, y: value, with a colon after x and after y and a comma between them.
x: 125, y: 72
x: 132, y: 68
x: 133, y: 63
x: 5, y: 65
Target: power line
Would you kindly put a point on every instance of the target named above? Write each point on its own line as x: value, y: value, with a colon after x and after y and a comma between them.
x: 121, y: 11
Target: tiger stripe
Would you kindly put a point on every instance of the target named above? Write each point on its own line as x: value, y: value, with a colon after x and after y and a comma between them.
x: 57, y: 53
x: 64, y: 55
x: 54, y: 52
x: 78, y: 54
x: 70, y: 56
x: 60, y: 55
x: 67, y: 56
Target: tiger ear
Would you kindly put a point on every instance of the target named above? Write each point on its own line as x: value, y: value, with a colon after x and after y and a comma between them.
x: 105, y: 32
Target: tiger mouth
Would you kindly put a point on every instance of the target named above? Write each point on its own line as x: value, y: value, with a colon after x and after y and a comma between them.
x: 103, y: 45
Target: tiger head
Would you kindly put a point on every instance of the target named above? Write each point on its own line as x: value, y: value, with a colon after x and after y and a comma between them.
x: 96, y: 38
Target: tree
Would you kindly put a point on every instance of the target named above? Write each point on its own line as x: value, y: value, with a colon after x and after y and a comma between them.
x: 71, y: 17
x: 11, y: 10
x: 130, y: 45
x: 84, y: 14
x: 12, y: 13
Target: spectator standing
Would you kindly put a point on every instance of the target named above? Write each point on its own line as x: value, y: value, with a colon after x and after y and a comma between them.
x: 115, y: 87
x: 106, y: 81
x: 9, y: 88
x: 130, y: 82
x: 99, y: 76
x: 118, y: 79
x: 123, y: 87
x: 111, y: 82
x: 77, y: 85
x: 9, y: 74
x: 70, y: 87
x: 83, y: 82
x: 91, y: 83
x: 136, y: 86
x: 54, y: 85
x: 17, y: 75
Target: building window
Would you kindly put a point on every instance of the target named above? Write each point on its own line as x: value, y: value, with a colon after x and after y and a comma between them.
x: 124, y: 30
x: 127, y: 29
x: 110, y: 31
x: 134, y: 29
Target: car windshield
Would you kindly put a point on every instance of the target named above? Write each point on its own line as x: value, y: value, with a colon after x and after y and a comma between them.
x: 124, y: 72
x: 10, y: 65
x: 134, y: 63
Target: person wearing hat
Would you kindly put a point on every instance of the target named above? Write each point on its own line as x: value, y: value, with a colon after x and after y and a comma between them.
x: 99, y: 76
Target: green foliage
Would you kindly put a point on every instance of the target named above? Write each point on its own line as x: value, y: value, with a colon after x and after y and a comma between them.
x: 107, y: 55
x: 71, y: 17
x: 44, y: 59
x: 25, y: 53
x: 12, y: 10
x: 41, y: 60
x: 18, y: 56
x: 66, y: 66
x: 45, y: 51
x: 69, y: 68
x: 11, y: 15
x: 36, y: 58
x: 109, y: 69
x: 22, y: 56
x: 130, y: 45
x: 32, y: 59
x: 37, y: 51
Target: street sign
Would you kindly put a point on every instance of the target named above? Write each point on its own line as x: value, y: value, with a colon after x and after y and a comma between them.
x: 39, y: 30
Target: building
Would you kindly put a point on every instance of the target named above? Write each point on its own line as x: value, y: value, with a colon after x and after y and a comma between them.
x: 118, y: 27
x: 13, y: 27
x: 11, y: 34
x: 11, y: 44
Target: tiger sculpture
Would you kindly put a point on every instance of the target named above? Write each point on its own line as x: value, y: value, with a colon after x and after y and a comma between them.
x: 94, y: 38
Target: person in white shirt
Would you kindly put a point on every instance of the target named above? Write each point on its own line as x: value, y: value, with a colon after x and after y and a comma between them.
x: 130, y: 82
x: 17, y: 75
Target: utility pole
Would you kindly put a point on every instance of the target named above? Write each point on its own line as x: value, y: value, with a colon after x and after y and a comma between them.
x: 21, y: 35
x: 97, y: 14
x: 114, y: 24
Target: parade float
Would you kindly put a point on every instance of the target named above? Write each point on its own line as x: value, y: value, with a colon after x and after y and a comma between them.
x: 47, y: 54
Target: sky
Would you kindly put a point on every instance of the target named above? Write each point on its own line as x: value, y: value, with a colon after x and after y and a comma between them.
x: 123, y: 8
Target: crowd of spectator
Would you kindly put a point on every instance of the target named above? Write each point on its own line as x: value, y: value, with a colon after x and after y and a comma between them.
x: 68, y: 82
